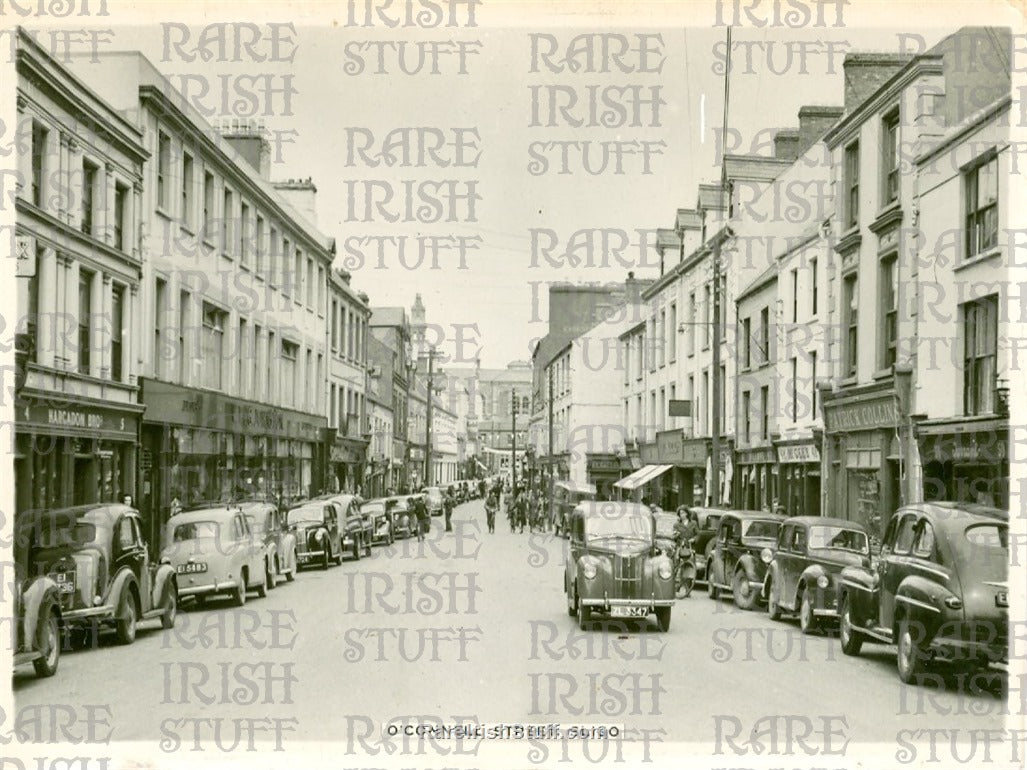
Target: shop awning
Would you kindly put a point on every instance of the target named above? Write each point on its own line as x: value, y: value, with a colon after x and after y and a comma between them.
x: 572, y: 486
x: 643, y: 475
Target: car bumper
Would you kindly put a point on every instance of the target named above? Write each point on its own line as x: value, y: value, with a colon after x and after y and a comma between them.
x: 76, y: 617
x: 961, y: 649
x: 210, y: 588
x: 607, y: 603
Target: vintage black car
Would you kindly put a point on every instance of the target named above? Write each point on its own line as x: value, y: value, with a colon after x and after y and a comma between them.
x: 37, y: 611
x: 742, y: 550
x: 96, y: 556
x: 379, y: 514
x: 318, y: 532
x: 811, y: 551
x: 708, y: 520
x: 357, y: 526
x: 401, y: 509
x: 614, y: 566
x: 566, y: 496
x: 268, y: 526
x: 938, y: 589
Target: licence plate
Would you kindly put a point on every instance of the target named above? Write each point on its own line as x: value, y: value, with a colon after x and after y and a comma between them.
x: 191, y: 568
x: 65, y: 582
x: 628, y: 612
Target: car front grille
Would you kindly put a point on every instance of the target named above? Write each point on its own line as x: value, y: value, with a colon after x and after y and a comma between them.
x: 627, y: 576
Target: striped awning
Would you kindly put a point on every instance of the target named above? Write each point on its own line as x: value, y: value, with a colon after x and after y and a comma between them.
x: 643, y: 475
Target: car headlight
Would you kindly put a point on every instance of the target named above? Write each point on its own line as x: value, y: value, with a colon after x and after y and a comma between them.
x: 823, y: 581
x: 589, y: 569
x: 665, y: 570
x: 766, y: 555
x: 320, y: 535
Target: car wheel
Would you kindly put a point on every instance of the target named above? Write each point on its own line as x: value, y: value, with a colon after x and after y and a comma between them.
x: 367, y: 547
x: 808, y: 622
x: 170, y: 606
x: 572, y: 605
x: 742, y: 591
x: 239, y: 593
x: 711, y: 590
x: 912, y: 661
x: 773, y: 608
x: 48, y: 644
x: 851, y: 639
x: 663, y: 618
x: 356, y: 549
x: 584, y: 615
x: 326, y: 557
x: 392, y: 536
x: 337, y: 558
x: 127, y: 620
x: 262, y: 585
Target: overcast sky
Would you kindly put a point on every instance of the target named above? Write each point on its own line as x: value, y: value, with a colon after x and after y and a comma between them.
x: 500, y: 290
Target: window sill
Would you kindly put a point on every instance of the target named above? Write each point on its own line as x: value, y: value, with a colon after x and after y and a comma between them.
x: 983, y: 256
x: 882, y: 374
x: 847, y: 382
x: 163, y: 213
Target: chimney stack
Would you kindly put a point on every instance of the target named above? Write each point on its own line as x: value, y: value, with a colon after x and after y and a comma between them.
x: 814, y: 122
x: 249, y: 138
x: 866, y: 72
x: 786, y: 144
x: 301, y: 195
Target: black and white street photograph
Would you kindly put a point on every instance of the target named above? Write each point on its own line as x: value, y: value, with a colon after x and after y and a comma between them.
x: 471, y: 384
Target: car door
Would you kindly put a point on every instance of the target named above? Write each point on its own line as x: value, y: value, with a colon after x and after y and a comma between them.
x: 782, y: 562
x: 129, y: 551
x: 334, y: 523
x: 892, y: 566
x: 145, y: 575
x: 732, y: 547
x: 798, y: 546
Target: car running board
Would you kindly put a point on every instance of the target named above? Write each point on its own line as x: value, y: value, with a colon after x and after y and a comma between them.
x: 881, y: 634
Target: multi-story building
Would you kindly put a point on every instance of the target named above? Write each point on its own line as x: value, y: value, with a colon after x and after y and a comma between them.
x: 898, y: 107
x: 348, y: 414
x: 79, y: 201
x: 392, y: 358
x: 380, y: 394
x: 234, y: 295
x: 962, y: 361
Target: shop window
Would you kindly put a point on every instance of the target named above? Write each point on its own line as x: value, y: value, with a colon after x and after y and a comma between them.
x: 888, y: 293
x: 982, y: 207
x: 980, y: 332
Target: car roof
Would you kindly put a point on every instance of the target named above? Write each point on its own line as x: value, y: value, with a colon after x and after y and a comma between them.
x: 204, y: 514
x: 825, y: 520
x: 957, y: 514
x: 749, y: 515
x: 605, y: 508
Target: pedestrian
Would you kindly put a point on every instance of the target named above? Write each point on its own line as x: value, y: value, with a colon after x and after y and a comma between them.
x: 422, y: 515
x: 448, y: 503
x: 491, y: 504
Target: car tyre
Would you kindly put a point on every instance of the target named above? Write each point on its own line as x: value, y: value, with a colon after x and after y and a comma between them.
x: 850, y: 638
x: 808, y: 622
x: 262, y: 586
x: 356, y: 548
x: 584, y: 615
x: 663, y: 618
x: 712, y: 591
x: 367, y: 547
x: 742, y: 591
x: 773, y: 608
x: 911, y: 660
x: 49, y: 645
x: 239, y: 592
x: 572, y: 604
x: 127, y: 618
x: 326, y: 557
x: 170, y: 606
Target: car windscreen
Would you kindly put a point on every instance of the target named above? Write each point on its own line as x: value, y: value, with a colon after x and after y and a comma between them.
x: 256, y: 522
x: 305, y: 514
x: 372, y: 508
x: 195, y: 530
x: 757, y: 529
x: 60, y: 531
x: 634, y: 526
x: 839, y: 539
x: 665, y: 526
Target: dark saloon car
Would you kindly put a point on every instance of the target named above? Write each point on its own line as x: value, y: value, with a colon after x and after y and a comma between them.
x: 742, y: 550
x: 357, y: 527
x: 318, y: 532
x: 96, y: 556
x: 938, y: 589
x: 268, y: 526
x: 379, y: 514
x: 435, y: 500
x: 707, y: 519
x: 614, y: 566
x: 802, y: 577
x: 401, y: 511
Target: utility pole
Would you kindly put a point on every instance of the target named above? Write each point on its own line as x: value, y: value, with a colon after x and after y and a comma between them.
x: 427, y: 433
x: 715, y: 374
x: 513, y: 436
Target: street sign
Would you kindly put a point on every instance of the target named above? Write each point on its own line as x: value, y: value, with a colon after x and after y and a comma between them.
x: 679, y: 408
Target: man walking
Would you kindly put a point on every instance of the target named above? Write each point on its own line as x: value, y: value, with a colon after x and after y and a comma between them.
x: 448, y: 503
x: 422, y: 515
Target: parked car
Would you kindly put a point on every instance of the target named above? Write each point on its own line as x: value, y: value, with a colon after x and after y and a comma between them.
x: 401, y: 509
x: 37, y: 611
x: 708, y: 521
x: 434, y: 500
x: 318, y: 532
x: 810, y: 553
x: 938, y: 589
x: 614, y: 566
x: 566, y: 496
x: 97, y: 558
x: 742, y: 550
x: 215, y: 552
x: 380, y: 516
x: 357, y: 527
x: 269, y: 527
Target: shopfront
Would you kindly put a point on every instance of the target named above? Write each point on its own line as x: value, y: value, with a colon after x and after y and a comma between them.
x: 799, y: 477
x: 864, y: 458
x: 415, y: 468
x: 200, y: 446
x: 73, y: 451
x: 966, y: 460
x: 692, y: 473
x: 757, y: 485
x: 603, y: 471
x: 346, y: 458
